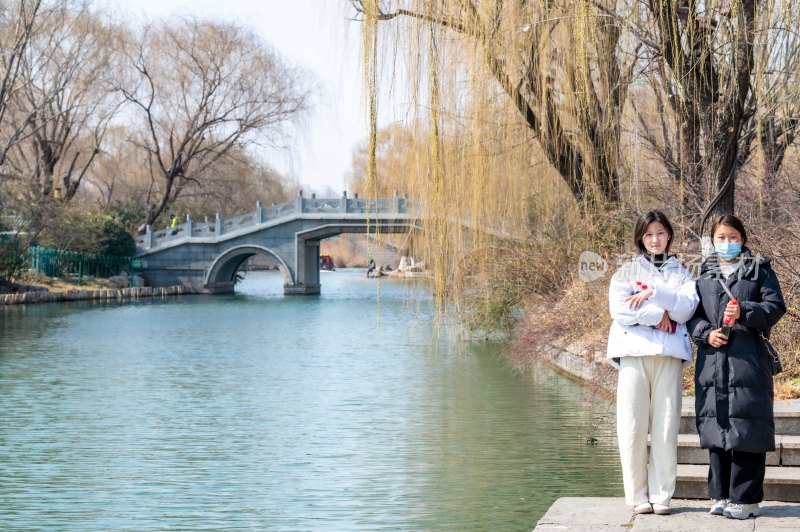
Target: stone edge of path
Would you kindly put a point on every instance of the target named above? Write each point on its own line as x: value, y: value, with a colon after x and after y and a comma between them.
x: 25, y: 298
x: 580, y: 363
x: 611, y: 513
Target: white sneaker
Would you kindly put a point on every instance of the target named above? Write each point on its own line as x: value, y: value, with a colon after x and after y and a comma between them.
x: 643, y: 508
x: 718, y: 506
x: 661, y: 509
x: 741, y: 511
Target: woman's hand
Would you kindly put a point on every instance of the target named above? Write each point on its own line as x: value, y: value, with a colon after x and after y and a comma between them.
x: 635, y: 301
x: 733, y: 310
x: 716, y: 338
x: 666, y: 323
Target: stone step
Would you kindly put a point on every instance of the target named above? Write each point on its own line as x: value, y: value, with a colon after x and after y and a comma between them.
x: 787, y: 417
x: 786, y: 453
x: 780, y: 483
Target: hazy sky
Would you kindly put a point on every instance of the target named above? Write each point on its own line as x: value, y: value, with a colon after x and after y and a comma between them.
x: 315, y: 35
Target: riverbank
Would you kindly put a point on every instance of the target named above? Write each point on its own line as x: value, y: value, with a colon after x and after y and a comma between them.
x: 607, y: 513
x: 41, y: 296
x: 583, y: 363
x: 569, y: 332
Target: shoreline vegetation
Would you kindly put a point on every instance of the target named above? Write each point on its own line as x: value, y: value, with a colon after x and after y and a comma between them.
x: 572, y: 340
x: 551, y: 138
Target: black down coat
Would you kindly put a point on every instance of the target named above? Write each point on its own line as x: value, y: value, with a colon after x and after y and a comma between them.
x: 733, y: 384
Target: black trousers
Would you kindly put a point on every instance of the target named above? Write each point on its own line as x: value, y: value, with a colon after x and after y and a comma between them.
x: 736, y: 475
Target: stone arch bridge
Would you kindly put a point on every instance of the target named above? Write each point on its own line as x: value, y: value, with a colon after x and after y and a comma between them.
x: 206, y: 255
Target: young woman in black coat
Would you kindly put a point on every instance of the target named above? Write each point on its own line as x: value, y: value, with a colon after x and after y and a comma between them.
x: 733, y: 377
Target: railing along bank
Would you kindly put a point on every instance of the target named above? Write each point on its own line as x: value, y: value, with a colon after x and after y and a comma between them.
x: 300, y: 205
x: 74, y: 265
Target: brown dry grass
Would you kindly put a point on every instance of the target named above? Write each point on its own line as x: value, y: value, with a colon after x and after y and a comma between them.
x: 787, y: 390
x: 54, y: 284
x: 579, y: 316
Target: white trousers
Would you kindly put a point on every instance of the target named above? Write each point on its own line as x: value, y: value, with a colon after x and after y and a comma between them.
x: 649, y: 400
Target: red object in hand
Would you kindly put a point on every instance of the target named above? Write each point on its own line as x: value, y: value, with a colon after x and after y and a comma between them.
x: 730, y: 321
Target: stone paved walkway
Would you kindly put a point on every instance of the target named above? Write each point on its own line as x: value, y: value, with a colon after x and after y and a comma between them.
x: 591, y: 514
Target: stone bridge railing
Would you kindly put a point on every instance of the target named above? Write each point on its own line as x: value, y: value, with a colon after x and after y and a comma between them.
x: 300, y: 205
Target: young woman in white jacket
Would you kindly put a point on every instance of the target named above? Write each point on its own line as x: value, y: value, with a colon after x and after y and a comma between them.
x: 651, y: 298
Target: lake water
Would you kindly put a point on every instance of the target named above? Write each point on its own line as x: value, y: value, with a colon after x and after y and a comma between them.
x: 253, y: 411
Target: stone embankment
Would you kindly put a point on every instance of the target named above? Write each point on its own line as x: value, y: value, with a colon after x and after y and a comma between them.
x: 105, y: 294
x: 583, y: 362
x: 591, y: 514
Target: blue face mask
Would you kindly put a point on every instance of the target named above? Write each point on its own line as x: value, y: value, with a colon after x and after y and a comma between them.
x: 728, y: 250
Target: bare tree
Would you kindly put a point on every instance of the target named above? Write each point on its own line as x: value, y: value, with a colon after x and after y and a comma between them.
x: 239, y: 181
x: 66, y: 101
x: 775, y: 104
x: 201, y: 90
x: 17, y: 26
x: 723, y: 78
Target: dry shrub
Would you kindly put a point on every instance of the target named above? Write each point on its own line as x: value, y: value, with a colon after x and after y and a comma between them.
x: 688, y: 375
x: 580, y: 314
x: 533, y: 276
x: 786, y: 390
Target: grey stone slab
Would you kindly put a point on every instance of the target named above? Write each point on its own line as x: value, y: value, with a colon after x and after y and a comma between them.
x: 689, y: 515
x: 581, y: 528
x: 687, y: 425
x: 689, y: 451
x: 586, y: 513
x: 787, y: 417
x: 780, y: 483
x: 589, y: 514
x: 778, y: 516
x: 790, y: 451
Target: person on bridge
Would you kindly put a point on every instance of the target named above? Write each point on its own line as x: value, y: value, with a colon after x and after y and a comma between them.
x: 740, y: 301
x: 651, y: 297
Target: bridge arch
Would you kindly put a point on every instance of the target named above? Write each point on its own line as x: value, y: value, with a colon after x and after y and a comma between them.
x: 220, y: 277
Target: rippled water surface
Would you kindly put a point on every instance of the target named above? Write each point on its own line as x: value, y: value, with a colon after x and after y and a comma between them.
x: 258, y: 412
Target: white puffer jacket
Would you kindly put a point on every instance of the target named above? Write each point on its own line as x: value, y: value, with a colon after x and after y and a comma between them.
x: 633, y: 332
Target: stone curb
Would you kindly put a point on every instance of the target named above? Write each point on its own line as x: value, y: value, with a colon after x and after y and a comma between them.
x: 25, y: 298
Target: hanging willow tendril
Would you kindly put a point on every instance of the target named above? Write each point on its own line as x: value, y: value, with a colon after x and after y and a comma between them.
x: 437, y: 175
x: 548, y: 125
x: 370, y: 49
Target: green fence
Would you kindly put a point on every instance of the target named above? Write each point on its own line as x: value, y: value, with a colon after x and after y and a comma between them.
x: 72, y: 265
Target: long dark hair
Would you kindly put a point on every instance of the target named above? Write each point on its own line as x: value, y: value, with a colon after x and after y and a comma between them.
x: 641, y: 228
x: 731, y: 221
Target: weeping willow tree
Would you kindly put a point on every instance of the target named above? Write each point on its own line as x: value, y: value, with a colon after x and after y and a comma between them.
x: 573, y: 108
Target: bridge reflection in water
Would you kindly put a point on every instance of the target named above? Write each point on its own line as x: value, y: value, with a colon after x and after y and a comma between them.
x: 207, y: 255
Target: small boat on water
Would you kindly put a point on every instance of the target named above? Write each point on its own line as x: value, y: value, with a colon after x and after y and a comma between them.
x: 326, y: 263
x: 408, y: 268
